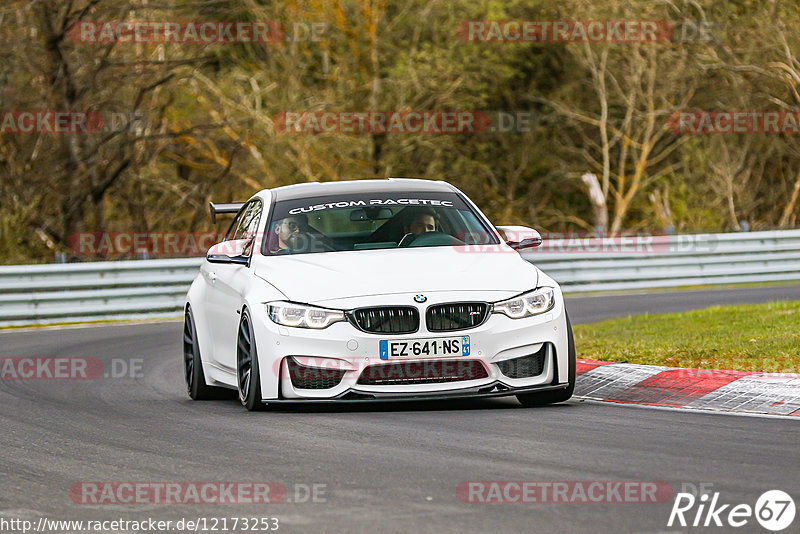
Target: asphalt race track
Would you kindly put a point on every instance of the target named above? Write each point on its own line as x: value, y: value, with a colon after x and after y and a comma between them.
x: 599, y: 307
x: 377, y: 468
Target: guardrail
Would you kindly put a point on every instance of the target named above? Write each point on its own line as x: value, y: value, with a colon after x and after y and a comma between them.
x: 645, y: 262
x: 80, y: 292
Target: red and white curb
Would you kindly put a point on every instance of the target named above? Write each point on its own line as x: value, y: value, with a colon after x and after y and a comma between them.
x: 704, y: 389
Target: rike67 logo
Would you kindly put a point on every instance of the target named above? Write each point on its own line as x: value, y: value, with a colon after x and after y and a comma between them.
x: 774, y: 510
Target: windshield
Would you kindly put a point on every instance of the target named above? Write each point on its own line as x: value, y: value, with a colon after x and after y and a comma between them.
x: 373, y: 221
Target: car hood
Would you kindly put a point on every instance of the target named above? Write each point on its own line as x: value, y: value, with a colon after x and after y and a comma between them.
x: 315, y: 278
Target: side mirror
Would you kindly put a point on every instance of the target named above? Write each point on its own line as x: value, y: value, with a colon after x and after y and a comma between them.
x: 520, y: 237
x: 236, y: 251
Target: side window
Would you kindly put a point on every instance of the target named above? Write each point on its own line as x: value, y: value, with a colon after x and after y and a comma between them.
x: 245, y: 225
x: 234, y: 225
x: 248, y: 225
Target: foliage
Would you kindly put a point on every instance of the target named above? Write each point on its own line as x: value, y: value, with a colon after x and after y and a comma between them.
x: 205, y: 114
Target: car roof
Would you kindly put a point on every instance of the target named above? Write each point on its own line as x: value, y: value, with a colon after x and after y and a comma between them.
x: 389, y: 185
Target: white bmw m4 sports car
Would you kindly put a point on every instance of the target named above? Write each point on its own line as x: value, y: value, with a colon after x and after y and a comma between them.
x: 370, y: 290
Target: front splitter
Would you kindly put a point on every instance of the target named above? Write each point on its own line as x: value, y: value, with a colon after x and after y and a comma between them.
x: 482, y: 392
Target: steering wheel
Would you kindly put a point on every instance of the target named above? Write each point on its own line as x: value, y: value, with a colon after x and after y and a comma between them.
x: 307, y: 242
x: 407, y: 239
x: 429, y: 239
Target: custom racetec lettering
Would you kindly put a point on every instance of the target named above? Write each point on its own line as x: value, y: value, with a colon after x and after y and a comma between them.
x: 395, y: 201
x: 329, y: 205
x: 373, y: 202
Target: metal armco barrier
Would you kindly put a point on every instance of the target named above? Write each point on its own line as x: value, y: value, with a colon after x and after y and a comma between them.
x: 42, y: 294
x: 645, y: 262
x: 82, y: 292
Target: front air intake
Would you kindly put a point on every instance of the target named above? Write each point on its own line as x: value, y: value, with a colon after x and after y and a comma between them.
x: 386, y: 319
x: 456, y: 316
x: 304, y: 377
x: 422, y: 372
x: 525, y: 366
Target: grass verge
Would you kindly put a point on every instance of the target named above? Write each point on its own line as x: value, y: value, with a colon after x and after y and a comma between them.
x: 749, y: 337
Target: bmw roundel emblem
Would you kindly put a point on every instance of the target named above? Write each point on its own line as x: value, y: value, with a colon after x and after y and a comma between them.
x: 420, y: 298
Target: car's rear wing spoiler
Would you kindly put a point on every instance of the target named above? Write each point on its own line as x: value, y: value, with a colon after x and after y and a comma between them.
x: 232, y: 207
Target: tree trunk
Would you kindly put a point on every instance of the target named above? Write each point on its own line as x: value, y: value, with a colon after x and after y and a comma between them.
x: 598, y: 201
x: 789, y: 209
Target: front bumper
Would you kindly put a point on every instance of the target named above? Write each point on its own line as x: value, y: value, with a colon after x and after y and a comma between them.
x: 496, y: 389
x: 344, y: 348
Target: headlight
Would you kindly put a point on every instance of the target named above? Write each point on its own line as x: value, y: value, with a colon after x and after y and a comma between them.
x: 300, y: 316
x: 532, y: 303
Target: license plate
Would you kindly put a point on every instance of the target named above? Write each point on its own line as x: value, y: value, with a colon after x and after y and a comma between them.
x: 424, y: 348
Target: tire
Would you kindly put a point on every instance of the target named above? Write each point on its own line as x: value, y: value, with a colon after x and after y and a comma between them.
x: 248, y: 378
x: 193, y: 365
x: 561, y: 395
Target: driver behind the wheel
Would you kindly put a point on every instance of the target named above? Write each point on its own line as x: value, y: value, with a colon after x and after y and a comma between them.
x: 420, y: 221
x: 290, y: 235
